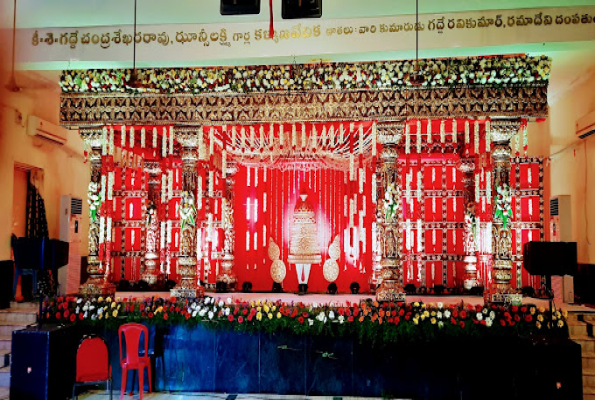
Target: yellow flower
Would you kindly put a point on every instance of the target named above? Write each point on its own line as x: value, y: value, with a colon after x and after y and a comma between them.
x: 273, y: 308
x: 433, y: 321
x: 426, y: 313
x: 259, y: 316
x: 100, y: 299
x: 565, y: 313
x: 278, y: 315
x: 259, y: 308
x: 540, y: 318
x: 416, y: 304
x: 266, y: 308
x: 114, y: 304
x: 423, y: 316
x: 532, y: 310
x: 159, y: 309
x: 560, y: 324
x: 270, y: 316
x: 433, y: 313
x: 118, y: 299
x: 100, y: 316
x: 108, y: 300
x: 423, y: 305
x: 415, y: 321
x: 258, y: 302
x: 538, y: 325
x: 115, y: 313
x: 542, y: 309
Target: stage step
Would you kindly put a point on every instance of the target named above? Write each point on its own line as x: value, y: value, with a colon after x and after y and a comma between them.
x: 588, y: 377
x: 588, y: 359
x: 577, y: 328
x: 587, y: 343
x: 4, y: 358
x: 6, y: 328
x: 5, y: 342
x: 5, y: 377
x: 24, y: 305
x: 19, y: 315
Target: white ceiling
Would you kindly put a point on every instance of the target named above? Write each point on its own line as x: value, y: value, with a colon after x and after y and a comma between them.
x: 79, y: 13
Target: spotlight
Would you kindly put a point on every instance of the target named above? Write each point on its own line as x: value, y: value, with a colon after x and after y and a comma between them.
x: 277, y: 288
x: 332, y: 288
x: 221, y: 287
x: 410, y: 288
x: 247, y: 287
x: 124, y: 286
x: 170, y: 284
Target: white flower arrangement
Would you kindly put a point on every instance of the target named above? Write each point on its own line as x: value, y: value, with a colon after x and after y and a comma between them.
x: 94, y: 200
x: 492, y: 71
x: 187, y: 209
x: 391, y: 196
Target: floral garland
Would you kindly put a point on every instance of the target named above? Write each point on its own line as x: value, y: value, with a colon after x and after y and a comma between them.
x: 390, y: 203
x: 187, y: 209
x: 482, y: 71
x: 503, y: 202
x: 369, y: 321
x: 94, y: 200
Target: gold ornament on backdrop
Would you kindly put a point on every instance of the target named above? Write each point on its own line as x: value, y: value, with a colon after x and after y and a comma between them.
x: 278, y: 270
x: 330, y: 270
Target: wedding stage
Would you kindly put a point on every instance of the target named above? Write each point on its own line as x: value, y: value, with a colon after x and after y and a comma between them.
x: 353, y: 177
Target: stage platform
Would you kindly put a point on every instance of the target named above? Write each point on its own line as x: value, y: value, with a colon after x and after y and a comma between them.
x: 343, y: 299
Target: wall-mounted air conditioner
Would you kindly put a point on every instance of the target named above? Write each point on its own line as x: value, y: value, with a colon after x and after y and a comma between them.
x: 585, y: 126
x: 37, y: 127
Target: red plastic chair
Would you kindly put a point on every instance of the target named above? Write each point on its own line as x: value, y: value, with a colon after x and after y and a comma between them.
x: 132, y: 335
x: 92, y: 365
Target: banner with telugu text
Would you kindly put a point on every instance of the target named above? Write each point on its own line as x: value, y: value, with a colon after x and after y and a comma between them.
x: 194, y: 44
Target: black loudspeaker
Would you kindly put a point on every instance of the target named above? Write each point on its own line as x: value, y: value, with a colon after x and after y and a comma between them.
x: 43, y: 363
x: 292, y: 9
x: 239, y: 7
x: 247, y: 287
x: 6, y: 281
x: 550, y: 258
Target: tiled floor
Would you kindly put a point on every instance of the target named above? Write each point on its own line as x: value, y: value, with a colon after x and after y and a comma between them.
x: 214, y: 396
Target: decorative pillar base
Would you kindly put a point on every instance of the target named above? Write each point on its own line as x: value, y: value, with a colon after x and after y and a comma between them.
x: 501, y: 292
x: 227, y: 275
x: 390, y: 289
x: 151, y: 274
x: 188, y: 286
x: 470, y: 280
x: 97, y: 284
x: 515, y: 299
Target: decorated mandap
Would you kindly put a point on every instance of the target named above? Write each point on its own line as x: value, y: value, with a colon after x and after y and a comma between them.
x: 376, y: 176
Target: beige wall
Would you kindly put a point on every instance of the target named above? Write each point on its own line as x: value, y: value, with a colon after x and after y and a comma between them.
x: 64, y: 170
x: 572, y: 161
